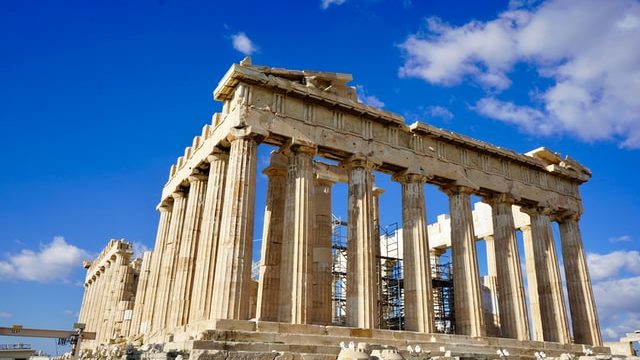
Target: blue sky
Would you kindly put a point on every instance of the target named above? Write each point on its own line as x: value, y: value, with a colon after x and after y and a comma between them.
x: 99, y: 99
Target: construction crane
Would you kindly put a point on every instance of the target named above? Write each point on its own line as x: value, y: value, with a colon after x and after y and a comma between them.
x: 74, y: 337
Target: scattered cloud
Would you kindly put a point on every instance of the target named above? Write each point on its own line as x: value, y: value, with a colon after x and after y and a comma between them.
x: 52, y: 262
x: 623, y: 238
x: 139, y: 249
x: 326, y: 3
x: 440, y: 112
x: 5, y: 315
x: 606, y: 266
x: 243, y: 44
x: 617, y: 303
x: 367, y: 99
x: 590, y: 96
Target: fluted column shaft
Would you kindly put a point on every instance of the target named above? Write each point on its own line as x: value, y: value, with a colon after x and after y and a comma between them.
x: 269, y: 282
x: 233, y: 265
x: 552, y: 308
x: 514, y: 322
x: 105, y: 303
x: 584, y: 318
x: 141, y: 293
x: 322, y: 256
x: 532, y: 285
x: 297, y: 262
x: 379, y: 262
x: 466, y: 281
x: 361, y: 260
x: 202, y: 292
x: 168, y: 261
x: 418, y: 304
x: 187, y: 252
x: 95, y: 304
x: 154, y: 270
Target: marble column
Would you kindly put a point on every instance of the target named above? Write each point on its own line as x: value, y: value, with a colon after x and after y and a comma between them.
x: 418, y: 304
x: 532, y: 285
x: 552, y: 308
x: 165, y: 209
x: 584, y: 318
x: 231, y: 286
x: 514, y: 322
x: 377, y: 192
x: 466, y: 281
x: 269, y: 281
x: 105, y: 302
x: 186, y: 260
x: 322, y: 256
x: 361, y: 260
x: 168, y: 262
x: 141, y: 293
x: 296, y: 269
x: 202, y: 293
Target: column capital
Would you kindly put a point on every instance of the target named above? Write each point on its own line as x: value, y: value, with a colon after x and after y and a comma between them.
x: 301, y: 146
x: 178, y: 194
x: 278, y: 165
x: 217, y: 154
x: 456, y: 189
x: 165, y: 205
x: 405, y: 177
x: 197, y: 177
x: 563, y: 216
x: 377, y: 191
x: 536, y: 210
x: 504, y: 198
x: 246, y: 132
x: 360, y: 161
x: 322, y: 181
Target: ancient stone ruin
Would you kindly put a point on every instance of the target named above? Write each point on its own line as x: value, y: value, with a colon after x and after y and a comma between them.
x: 195, y: 295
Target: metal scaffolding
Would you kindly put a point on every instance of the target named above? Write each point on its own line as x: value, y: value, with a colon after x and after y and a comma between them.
x: 390, y: 283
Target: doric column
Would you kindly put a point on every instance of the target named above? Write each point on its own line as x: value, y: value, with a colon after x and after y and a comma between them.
x: 269, y: 282
x: 187, y: 252
x: 361, y: 261
x: 93, y: 314
x: 584, y: 318
x: 491, y: 255
x: 202, y: 293
x: 552, y: 309
x: 233, y: 265
x: 154, y: 271
x: 514, y: 322
x: 377, y: 192
x: 532, y: 285
x: 89, y: 314
x: 141, y: 293
x: 168, y: 261
x: 418, y: 305
x: 322, y: 256
x: 297, y: 262
x: 466, y: 281
x: 105, y: 303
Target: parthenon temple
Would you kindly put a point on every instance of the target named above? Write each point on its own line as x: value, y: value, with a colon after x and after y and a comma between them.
x: 195, y: 295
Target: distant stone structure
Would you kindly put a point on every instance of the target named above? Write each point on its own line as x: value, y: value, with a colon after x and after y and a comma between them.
x: 195, y: 292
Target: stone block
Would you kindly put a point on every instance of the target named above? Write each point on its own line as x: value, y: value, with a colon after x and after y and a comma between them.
x: 364, y: 333
x: 226, y: 324
x: 338, y: 331
x: 301, y: 329
x: 267, y: 326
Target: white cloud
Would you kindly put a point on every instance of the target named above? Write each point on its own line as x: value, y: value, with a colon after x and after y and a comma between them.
x: 139, y: 249
x: 326, y: 3
x: 440, y: 112
x: 583, y: 48
x: 53, y: 262
x: 5, y: 315
x: 367, y: 99
x: 243, y: 44
x: 605, y: 266
x: 623, y: 238
x: 617, y: 304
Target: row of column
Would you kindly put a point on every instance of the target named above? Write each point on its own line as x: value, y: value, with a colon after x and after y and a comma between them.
x: 547, y: 308
x: 205, y: 239
x: 108, y: 294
